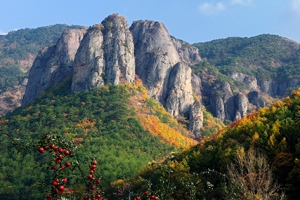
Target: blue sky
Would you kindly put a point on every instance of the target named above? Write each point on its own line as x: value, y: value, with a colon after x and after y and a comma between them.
x: 190, y: 20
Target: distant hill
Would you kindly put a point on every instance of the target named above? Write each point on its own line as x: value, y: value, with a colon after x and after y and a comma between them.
x: 263, y: 56
x: 19, y: 48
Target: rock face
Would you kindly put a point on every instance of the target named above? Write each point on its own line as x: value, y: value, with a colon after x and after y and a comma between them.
x: 277, y: 88
x: 155, y: 56
x: 187, y: 53
x: 179, y: 98
x: 12, y: 98
x: 256, y: 99
x: 163, y: 68
x: 105, y: 55
x: 53, y: 64
x: 225, y: 105
x: 250, y: 81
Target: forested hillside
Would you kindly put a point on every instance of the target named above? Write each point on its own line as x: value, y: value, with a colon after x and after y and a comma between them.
x: 102, y: 122
x: 237, y: 162
x: 264, y: 56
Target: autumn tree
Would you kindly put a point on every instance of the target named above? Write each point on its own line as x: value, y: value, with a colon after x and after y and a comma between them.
x: 251, y: 177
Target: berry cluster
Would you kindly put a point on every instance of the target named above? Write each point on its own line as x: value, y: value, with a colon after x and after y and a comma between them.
x: 58, y: 183
x: 148, y: 195
x: 92, y: 190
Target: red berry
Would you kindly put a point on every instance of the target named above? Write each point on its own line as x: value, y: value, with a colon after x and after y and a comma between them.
x: 53, y: 168
x: 138, y: 198
x: 61, y: 188
x: 119, y: 191
x: 60, y: 150
x: 51, y: 146
x: 146, y: 193
x: 46, y: 147
x: 55, y: 148
x: 152, y: 197
x: 94, y: 162
x: 91, y: 171
x: 90, y: 177
x: 54, y: 183
x: 57, y: 161
x: 65, y: 180
x: 41, y: 150
x: 93, y: 187
x: 60, y: 156
x: 98, y: 181
x: 62, y: 167
x: 67, y: 164
x: 67, y: 152
x: 86, y: 197
x: 48, y: 197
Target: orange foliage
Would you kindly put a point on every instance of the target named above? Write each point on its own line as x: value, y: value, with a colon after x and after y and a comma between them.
x: 78, y: 140
x: 153, y: 124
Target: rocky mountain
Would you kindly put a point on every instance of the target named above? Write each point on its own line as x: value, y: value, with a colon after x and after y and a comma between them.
x: 113, y: 53
x: 231, y: 78
x: 239, y: 75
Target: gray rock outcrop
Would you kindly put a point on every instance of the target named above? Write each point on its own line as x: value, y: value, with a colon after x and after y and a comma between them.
x: 256, y: 99
x: 241, y: 102
x: 179, y: 98
x: 105, y: 55
x: 53, y: 64
x: 187, y: 53
x: 12, y: 98
x: 250, y: 81
x: 163, y: 68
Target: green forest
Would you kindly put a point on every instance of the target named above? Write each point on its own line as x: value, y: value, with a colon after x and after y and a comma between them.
x: 264, y: 56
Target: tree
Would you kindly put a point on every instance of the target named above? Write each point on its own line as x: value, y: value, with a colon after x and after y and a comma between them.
x: 251, y: 177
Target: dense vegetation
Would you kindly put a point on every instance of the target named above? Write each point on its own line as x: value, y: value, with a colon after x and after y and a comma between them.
x: 264, y: 56
x: 202, y: 171
x: 23, y: 45
x: 102, y: 122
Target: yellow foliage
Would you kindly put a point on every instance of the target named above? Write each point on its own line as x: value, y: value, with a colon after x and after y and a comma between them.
x: 118, y: 183
x: 255, y: 137
x: 152, y: 123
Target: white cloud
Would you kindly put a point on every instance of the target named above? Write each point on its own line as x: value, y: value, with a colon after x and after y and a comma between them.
x: 242, y: 2
x: 211, y: 9
x: 2, y: 33
x: 295, y: 5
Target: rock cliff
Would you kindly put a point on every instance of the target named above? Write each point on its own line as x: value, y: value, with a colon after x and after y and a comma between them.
x: 110, y: 52
x: 162, y: 64
x: 105, y: 55
x: 12, y: 98
x: 53, y: 64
